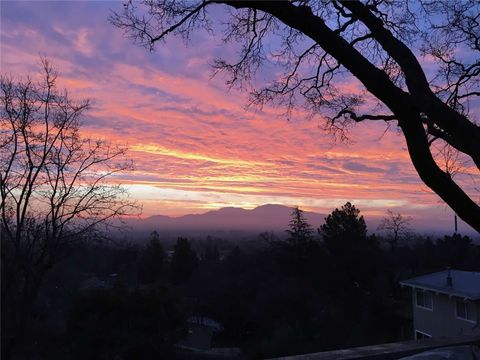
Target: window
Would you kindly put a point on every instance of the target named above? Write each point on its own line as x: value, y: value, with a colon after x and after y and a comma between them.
x: 421, y: 335
x: 424, y: 299
x: 464, y: 311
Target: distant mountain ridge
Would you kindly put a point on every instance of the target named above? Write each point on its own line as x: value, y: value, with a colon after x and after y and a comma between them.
x: 232, y: 223
x: 262, y: 218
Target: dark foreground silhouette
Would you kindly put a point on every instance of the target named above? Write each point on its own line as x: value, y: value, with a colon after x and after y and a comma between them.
x: 312, y: 291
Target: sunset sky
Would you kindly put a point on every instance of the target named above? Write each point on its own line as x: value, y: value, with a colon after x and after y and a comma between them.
x: 195, y: 145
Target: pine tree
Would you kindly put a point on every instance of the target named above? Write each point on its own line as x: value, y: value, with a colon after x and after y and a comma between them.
x: 300, y: 241
x: 152, y: 261
x: 355, y: 253
x: 300, y: 232
x: 184, y: 261
x: 344, y: 229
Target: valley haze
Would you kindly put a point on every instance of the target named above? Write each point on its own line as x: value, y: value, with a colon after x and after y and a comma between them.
x: 238, y: 223
x: 228, y: 221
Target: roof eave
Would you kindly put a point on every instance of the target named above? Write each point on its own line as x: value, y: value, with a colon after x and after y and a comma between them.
x: 440, y: 291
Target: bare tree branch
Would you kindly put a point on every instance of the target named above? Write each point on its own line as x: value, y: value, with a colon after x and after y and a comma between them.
x: 376, y: 42
x: 54, y: 185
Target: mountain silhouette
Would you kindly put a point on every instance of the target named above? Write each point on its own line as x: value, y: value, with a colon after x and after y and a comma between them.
x: 268, y: 217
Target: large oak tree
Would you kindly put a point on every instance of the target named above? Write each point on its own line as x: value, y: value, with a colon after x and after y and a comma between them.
x: 379, y: 42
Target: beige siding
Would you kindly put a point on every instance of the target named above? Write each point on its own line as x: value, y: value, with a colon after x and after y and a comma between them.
x: 442, y: 319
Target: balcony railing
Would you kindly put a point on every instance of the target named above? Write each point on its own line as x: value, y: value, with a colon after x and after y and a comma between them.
x: 388, y: 351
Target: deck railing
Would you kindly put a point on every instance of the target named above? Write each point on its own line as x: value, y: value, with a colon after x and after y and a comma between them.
x: 387, y: 351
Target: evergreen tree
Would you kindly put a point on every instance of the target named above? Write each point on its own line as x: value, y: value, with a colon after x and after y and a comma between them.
x: 184, y: 261
x: 300, y: 232
x: 152, y: 260
x: 344, y: 229
x: 355, y: 253
x: 211, y: 253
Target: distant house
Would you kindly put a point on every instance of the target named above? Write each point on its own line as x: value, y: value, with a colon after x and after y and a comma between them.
x: 445, y: 303
x: 200, y: 333
x: 95, y: 283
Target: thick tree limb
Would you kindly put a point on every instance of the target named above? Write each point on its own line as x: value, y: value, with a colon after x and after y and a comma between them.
x: 359, y: 118
x: 363, y: 37
x: 404, y: 106
x: 439, y: 181
x: 448, y: 119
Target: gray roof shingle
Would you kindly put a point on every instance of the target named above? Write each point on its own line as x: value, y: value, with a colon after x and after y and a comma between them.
x: 465, y: 284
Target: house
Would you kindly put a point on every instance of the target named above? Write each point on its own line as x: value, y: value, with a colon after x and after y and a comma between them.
x: 445, y: 303
x: 95, y: 283
x: 200, y: 333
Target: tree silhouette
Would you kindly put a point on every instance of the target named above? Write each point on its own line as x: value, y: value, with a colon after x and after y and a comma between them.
x: 300, y: 232
x: 211, y: 254
x: 375, y: 41
x: 345, y: 236
x: 300, y: 235
x: 184, y: 261
x: 397, y: 227
x: 53, y: 186
x: 152, y: 260
x: 344, y: 228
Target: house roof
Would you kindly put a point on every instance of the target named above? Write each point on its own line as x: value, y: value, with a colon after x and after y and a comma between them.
x: 205, y: 321
x: 465, y: 284
x: 93, y: 283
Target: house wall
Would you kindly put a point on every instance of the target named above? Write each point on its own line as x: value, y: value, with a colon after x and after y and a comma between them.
x: 442, y: 320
